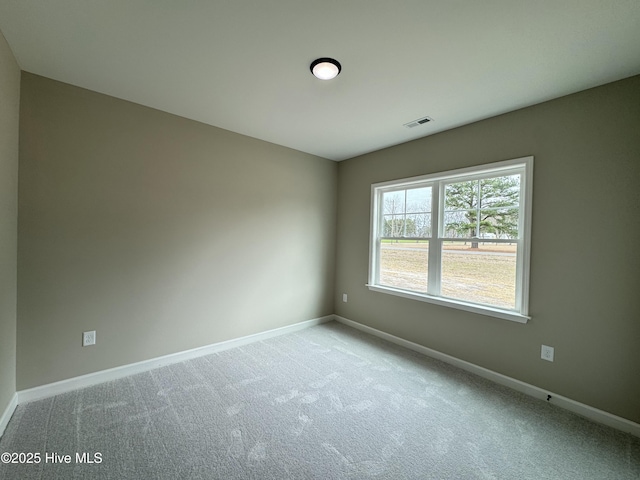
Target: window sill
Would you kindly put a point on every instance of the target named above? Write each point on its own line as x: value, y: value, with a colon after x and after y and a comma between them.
x: 445, y: 302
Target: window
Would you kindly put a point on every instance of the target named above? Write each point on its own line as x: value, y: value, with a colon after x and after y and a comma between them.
x: 458, y: 238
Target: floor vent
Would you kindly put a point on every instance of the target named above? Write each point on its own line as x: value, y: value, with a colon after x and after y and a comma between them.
x: 420, y: 121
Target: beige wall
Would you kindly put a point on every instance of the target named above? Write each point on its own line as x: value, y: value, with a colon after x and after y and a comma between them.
x: 585, y: 273
x: 164, y: 234
x: 9, y: 110
x: 160, y: 233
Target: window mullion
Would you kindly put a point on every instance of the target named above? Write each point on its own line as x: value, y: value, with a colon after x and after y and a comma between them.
x: 433, y: 284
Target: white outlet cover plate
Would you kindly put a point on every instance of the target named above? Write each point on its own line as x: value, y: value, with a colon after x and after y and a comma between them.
x: 546, y: 353
x: 88, y: 338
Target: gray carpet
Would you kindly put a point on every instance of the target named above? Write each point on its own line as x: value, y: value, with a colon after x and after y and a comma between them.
x: 328, y: 402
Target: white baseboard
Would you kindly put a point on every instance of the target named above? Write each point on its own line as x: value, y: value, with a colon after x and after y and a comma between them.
x: 581, y: 409
x: 8, y: 412
x: 75, y: 383
x: 82, y: 381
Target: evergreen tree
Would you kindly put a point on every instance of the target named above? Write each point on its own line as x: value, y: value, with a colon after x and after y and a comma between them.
x: 483, y: 208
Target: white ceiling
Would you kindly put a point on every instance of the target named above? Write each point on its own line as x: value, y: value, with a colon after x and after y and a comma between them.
x: 243, y: 65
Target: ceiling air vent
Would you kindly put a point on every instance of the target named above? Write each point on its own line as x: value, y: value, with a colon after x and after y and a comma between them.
x: 420, y: 121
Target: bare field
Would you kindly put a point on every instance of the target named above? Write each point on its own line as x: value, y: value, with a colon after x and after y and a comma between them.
x: 461, y: 246
x: 484, y: 275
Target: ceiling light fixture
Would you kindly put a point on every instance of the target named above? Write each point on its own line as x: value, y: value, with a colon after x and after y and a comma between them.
x: 325, y: 68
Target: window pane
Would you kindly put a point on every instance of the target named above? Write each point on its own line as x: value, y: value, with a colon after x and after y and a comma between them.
x: 403, y: 264
x: 407, y: 213
x: 500, y: 192
x: 393, y: 226
x: 480, y: 272
x: 419, y: 200
x: 393, y: 202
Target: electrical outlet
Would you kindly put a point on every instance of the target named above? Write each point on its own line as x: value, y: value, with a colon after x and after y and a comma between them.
x: 546, y: 353
x: 344, y: 297
x: 88, y: 338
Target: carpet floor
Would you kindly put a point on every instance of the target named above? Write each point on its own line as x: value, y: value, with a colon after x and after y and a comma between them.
x: 327, y: 402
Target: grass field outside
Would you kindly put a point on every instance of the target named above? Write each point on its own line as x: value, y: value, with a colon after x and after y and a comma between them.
x: 485, y: 275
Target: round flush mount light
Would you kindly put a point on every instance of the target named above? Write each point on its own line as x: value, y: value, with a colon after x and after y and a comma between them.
x: 325, y: 68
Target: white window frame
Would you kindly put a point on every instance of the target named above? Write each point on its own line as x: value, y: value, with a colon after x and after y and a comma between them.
x: 522, y: 166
